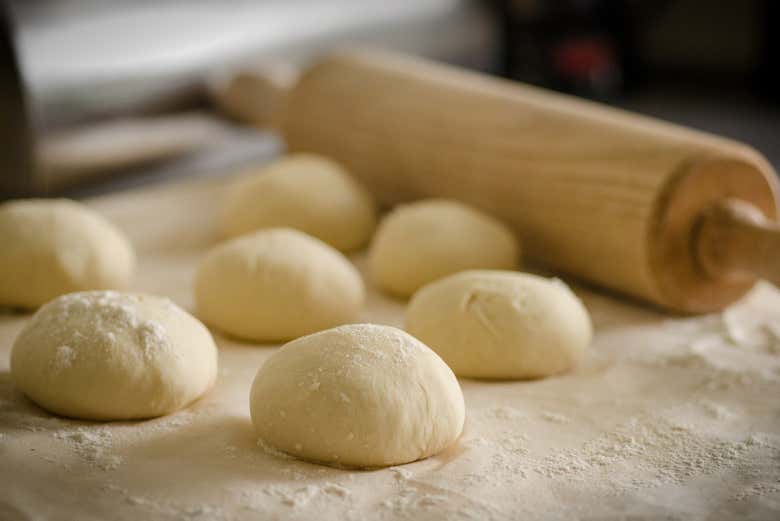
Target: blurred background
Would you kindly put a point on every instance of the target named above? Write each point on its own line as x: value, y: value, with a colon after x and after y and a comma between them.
x: 99, y: 95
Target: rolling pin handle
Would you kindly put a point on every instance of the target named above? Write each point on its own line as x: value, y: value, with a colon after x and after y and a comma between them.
x: 255, y: 95
x: 736, y: 241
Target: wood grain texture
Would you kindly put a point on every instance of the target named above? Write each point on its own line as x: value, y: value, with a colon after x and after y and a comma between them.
x: 592, y: 191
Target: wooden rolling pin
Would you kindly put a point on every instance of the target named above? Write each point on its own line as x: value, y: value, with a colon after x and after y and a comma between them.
x: 677, y: 217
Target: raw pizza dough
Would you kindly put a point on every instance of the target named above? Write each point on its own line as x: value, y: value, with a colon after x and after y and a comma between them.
x: 665, y: 418
x: 275, y: 285
x: 499, y: 324
x: 306, y: 192
x: 105, y: 355
x: 420, y: 242
x: 361, y: 395
x: 50, y: 247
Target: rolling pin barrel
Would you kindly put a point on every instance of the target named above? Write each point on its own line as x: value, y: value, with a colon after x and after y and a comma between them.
x: 615, y: 198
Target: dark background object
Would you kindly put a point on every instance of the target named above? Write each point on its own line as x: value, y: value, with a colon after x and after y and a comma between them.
x: 607, y: 48
x: 15, y: 150
x: 70, y: 63
x: 709, y: 65
x: 93, y: 68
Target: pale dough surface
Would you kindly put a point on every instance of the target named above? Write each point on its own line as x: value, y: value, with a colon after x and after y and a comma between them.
x: 276, y: 284
x: 109, y: 355
x: 420, y: 242
x: 500, y: 324
x: 49, y: 247
x: 307, y: 192
x: 673, y: 418
x: 359, y: 395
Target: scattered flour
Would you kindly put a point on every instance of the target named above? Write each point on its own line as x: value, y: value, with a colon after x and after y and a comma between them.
x: 431, y: 502
x: 757, y: 489
x: 717, y: 411
x: 300, y: 497
x: 202, y: 511
x: 515, y: 444
x: 703, y: 409
x: 472, y: 443
x: 668, y: 452
x: 401, y: 473
x: 505, y: 412
x: 63, y: 358
x: 411, y: 499
x: 554, y: 417
x: 231, y: 452
x: 153, y: 337
x: 93, y: 445
x: 335, y: 490
x: 108, y: 315
x: 272, y: 451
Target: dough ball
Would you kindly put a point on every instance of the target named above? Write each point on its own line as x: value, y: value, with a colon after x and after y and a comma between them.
x: 420, y: 242
x: 275, y: 285
x: 306, y: 192
x: 360, y: 395
x: 497, y: 324
x: 104, y: 355
x: 50, y: 247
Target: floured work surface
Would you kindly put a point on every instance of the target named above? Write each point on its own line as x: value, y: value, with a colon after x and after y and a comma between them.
x: 667, y: 417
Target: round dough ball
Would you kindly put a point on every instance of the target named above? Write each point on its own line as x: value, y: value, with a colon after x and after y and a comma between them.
x: 104, y: 355
x: 360, y: 395
x: 497, y: 324
x: 275, y: 285
x: 55, y: 246
x: 306, y: 192
x: 420, y: 242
